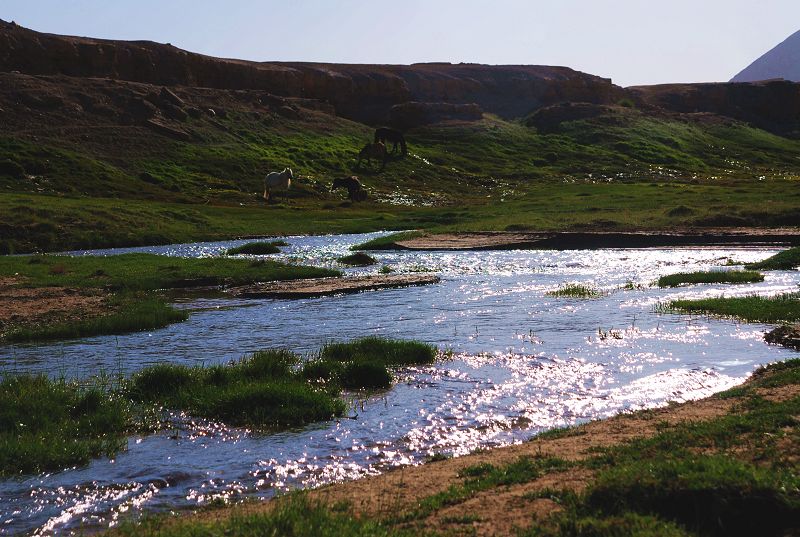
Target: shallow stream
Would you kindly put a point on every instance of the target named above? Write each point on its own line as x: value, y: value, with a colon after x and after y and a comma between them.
x: 522, y: 362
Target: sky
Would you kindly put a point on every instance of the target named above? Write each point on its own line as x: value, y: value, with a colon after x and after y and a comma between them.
x: 630, y: 41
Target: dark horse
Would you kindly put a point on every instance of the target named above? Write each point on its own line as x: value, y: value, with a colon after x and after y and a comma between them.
x: 355, y: 190
x: 388, y: 136
x: 371, y: 151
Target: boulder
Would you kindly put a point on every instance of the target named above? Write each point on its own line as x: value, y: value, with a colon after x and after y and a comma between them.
x: 168, y: 96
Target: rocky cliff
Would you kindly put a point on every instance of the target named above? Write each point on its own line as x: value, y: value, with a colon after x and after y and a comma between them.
x: 361, y: 92
x: 770, y: 105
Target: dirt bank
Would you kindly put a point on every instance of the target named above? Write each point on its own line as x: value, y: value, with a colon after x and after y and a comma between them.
x: 26, y: 307
x: 500, y: 240
x: 314, y: 287
x: 502, y: 510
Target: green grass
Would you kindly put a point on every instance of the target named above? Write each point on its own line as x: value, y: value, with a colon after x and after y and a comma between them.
x: 358, y: 259
x: 293, y: 516
x: 257, y: 248
x: 736, y: 474
x: 262, y: 390
x: 730, y: 276
x: 484, y: 477
x: 387, y: 242
x: 786, y: 260
x: 132, y: 315
x: 48, y: 425
x: 622, y: 169
x: 148, y: 272
x: 575, y: 290
x: 364, y: 363
x: 759, y: 309
x: 276, y: 389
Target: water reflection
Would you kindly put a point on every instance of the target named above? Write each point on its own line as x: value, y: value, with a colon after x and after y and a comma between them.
x: 522, y: 362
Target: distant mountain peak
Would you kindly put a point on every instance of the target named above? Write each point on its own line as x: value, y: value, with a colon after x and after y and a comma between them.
x: 783, y: 61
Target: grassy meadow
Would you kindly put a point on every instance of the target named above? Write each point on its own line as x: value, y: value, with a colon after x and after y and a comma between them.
x: 620, y: 170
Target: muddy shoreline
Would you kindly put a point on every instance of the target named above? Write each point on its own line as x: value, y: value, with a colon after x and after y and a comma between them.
x: 317, y: 287
x: 590, y: 240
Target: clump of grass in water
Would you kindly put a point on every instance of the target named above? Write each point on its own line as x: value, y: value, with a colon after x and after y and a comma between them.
x: 575, y: 290
x: 364, y: 363
x: 730, y: 276
x: 262, y: 390
x: 786, y: 260
x: 753, y: 308
x: 134, y: 315
x: 386, y: 269
x: 49, y: 425
x: 257, y: 248
x: 358, y: 259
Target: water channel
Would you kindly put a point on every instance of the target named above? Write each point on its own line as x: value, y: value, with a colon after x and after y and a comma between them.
x: 522, y: 362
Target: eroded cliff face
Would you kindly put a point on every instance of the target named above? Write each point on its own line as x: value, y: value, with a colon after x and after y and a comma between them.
x: 360, y: 92
x: 770, y: 105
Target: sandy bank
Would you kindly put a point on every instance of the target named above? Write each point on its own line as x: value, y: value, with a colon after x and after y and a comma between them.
x: 580, y: 240
x: 314, y: 287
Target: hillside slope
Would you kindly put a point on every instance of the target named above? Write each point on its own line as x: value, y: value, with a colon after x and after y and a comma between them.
x: 783, y: 61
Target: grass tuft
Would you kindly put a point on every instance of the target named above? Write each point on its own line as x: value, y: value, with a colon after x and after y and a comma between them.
x: 786, y: 260
x: 261, y: 390
x: 257, y: 248
x: 575, y: 290
x: 775, y: 309
x: 358, y: 259
x: 729, y: 276
x: 49, y: 425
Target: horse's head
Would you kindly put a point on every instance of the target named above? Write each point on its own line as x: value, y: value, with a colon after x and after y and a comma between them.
x: 289, y: 170
x: 337, y: 183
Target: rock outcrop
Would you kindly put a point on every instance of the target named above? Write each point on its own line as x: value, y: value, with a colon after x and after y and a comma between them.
x: 771, y: 105
x: 360, y: 92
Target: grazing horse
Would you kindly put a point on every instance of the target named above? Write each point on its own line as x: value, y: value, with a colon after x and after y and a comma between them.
x: 281, y: 180
x: 372, y: 150
x: 355, y: 190
x: 386, y: 135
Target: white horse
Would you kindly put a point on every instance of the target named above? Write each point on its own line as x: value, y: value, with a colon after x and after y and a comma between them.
x: 281, y: 180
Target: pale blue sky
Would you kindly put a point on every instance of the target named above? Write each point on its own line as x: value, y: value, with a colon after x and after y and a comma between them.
x: 630, y: 41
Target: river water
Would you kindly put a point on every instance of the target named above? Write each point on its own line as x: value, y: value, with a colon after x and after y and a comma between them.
x: 521, y: 362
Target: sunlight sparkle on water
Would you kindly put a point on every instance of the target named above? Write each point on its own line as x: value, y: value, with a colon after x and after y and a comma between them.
x: 521, y: 362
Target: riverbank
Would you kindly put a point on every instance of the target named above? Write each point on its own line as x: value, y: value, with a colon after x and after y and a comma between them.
x: 57, y: 297
x: 725, y: 465
x: 570, y: 240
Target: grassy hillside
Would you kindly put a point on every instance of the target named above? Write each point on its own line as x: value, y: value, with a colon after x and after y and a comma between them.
x: 76, y: 175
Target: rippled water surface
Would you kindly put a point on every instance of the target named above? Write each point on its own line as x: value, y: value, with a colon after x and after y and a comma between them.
x: 522, y: 362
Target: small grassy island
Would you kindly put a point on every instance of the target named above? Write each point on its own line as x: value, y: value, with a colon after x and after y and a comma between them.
x: 719, y: 276
x: 257, y: 248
